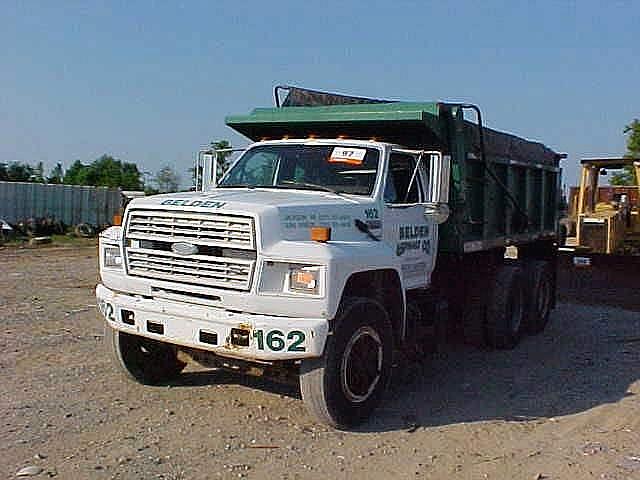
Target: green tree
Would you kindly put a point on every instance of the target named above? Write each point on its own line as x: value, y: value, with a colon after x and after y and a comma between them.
x: 628, y: 176
x: 57, y: 174
x: 131, y: 177
x: 105, y: 171
x: 4, y: 173
x: 76, y: 174
x: 167, y: 179
x: 20, y: 172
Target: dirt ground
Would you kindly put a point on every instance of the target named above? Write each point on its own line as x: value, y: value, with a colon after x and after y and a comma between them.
x: 563, y: 405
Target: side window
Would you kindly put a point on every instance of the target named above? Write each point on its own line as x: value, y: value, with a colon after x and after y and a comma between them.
x: 401, y: 168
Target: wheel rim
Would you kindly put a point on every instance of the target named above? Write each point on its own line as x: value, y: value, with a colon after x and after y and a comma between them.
x: 361, y: 366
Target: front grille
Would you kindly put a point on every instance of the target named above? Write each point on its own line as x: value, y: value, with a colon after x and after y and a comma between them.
x: 198, y: 228
x: 225, y: 245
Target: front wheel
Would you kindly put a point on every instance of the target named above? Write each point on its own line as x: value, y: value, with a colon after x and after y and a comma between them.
x: 344, y: 386
x: 142, y: 359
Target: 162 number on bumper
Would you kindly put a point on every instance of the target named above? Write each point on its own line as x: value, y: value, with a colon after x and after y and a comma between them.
x: 277, y: 341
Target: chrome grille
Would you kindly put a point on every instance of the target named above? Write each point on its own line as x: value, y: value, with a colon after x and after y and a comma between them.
x: 195, y: 269
x: 213, y: 229
x: 150, y: 234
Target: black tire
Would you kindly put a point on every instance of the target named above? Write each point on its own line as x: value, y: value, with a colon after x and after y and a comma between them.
x: 345, y: 385
x: 142, y: 359
x: 474, y: 311
x: 84, y: 230
x: 538, y: 296
x: 505, y: 311
x: 563, y: 233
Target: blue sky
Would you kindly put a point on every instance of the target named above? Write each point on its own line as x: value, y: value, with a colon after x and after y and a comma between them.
x: 149, y: 82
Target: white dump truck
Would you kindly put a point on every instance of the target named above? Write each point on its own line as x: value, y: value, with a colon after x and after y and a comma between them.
x: 346, y: 235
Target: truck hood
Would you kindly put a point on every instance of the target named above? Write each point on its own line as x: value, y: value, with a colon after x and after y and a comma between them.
x: 284, y: 214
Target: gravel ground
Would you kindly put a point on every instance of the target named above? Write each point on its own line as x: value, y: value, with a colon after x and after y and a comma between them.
x: 563, y: 405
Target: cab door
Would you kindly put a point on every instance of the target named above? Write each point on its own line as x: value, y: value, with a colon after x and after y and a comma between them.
x: 407, y: 231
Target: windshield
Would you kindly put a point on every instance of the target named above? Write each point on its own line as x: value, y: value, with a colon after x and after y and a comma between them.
x: 332, y: 168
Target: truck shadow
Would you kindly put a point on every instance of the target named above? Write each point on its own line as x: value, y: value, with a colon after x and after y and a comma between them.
x: 608, y: 280
x: 588, y: 356
x: 200, y: 378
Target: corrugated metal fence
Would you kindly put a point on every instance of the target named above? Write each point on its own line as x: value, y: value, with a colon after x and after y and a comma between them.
x: 71, y: 204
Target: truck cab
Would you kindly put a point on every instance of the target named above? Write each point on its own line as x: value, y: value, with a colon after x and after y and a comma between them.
x: 260, y: 267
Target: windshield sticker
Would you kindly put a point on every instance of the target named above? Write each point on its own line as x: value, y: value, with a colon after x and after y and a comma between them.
x: 350, y: 156
x: 194, y: 203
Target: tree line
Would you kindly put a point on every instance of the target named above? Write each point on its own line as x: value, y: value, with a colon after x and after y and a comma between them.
x: 105, y: 171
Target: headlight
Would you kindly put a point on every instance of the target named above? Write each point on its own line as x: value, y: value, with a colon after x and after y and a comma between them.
x: 111, y: 257
x: 304, y: 280
x: 292, y: 278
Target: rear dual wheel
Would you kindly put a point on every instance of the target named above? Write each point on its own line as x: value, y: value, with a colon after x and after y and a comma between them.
x: 539, y: 298
x: 520, y: 302
x: 505, y: 310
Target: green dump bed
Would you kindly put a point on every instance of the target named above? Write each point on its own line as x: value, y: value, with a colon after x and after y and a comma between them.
x: 507, y: 194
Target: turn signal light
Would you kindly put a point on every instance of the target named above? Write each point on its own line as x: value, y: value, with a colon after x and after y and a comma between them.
x: 320, y: 234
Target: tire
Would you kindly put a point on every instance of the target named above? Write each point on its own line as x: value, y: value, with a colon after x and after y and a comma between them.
x: 505, y: 311
x: 539, y: 295
x: 142, y: 359
x: 344, y: 386
x: 474, y: 312
x: 84, y: 230
x: 563, y: 234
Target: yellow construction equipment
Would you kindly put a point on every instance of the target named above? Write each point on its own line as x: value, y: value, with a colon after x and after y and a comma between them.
x: 607, y: 218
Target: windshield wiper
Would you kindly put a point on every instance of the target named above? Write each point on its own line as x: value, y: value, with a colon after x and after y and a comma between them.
x: 306, y: 185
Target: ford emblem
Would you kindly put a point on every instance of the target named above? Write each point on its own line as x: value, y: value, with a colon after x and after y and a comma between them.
x: 184, y: 248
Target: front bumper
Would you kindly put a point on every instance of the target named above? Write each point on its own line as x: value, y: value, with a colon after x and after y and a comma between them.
x: 263, y: 337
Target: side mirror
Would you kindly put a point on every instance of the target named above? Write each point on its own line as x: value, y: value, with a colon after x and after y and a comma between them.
x: 436, y: 212
x: 209, y: 165
x: 436, y: 206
